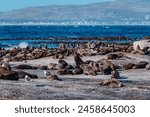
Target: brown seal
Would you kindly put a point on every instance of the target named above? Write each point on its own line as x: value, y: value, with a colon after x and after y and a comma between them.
x: 6, y: 65
x: 64, y: 72
x: 8, y: 74
x: 89, y: 70
x: 128, y: 66
x: 112, y: 83
x: 24, y: 66
x: 107, y: 67
x: 113, y: 56
x: 22, y: 75
x: 62, y: 64
x: 55, y: 77
x: 115, y: 74
x: 78, y: 60
x: 140, y: 65
x: 52, y: 66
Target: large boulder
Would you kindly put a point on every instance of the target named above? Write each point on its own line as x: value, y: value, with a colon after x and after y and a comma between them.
x: 140, y: 45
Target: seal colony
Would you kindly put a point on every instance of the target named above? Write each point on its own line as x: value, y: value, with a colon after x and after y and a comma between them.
x: 89, y: 67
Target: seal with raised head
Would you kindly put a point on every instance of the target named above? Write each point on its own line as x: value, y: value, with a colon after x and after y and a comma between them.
x: 6, y: 65
x: 62, y: 64
x: 115, y: 74
x: 78, y: 60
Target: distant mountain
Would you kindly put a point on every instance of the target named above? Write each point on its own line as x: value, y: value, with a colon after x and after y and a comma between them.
x: 117, y: 12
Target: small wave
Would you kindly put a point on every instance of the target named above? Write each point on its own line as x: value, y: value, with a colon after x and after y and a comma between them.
x: 23, y: 45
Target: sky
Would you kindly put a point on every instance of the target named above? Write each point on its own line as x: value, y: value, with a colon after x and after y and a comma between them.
x: 6, y: 5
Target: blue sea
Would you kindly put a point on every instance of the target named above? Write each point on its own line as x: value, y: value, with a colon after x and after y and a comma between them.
x: 13, y: 36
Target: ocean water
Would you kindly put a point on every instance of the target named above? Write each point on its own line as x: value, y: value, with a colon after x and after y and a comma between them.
x: 13, y: 36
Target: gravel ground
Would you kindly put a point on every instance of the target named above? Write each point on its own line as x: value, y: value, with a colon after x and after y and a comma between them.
x: 78, y: 87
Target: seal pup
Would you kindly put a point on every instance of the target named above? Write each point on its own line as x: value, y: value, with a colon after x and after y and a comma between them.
x: 28, y: 79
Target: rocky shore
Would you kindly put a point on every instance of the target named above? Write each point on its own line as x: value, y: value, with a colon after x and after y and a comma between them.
x: 93, y: 70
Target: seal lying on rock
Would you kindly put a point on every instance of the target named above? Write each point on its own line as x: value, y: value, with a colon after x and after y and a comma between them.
x: 23, y: 66
x: 52, y: 66
x: 55, y: 77
x: 112, y: 83
x: 115, y: 74
x: 22, y: 75
x: 8, y: 74
x: 88, y: 70
x: 128, y: 66
x: 6, y: 65
x: 113, y: 56
x: 77, y: 71
x: 64, y: 72
x: 140, y: 65
x: 107, y: 67
x: 69, y: 67
x: 62, y: 64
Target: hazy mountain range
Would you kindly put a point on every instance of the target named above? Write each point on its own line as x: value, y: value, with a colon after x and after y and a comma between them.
x: 117, y: 12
